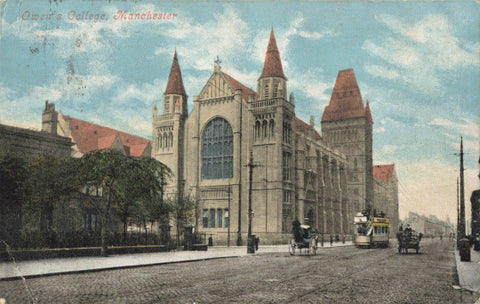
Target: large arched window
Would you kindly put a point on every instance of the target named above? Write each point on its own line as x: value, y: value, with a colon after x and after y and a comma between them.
x: 217, y: 150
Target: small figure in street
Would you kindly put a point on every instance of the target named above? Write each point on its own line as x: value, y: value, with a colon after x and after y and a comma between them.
x: 408, y: 229
x: 401, y: 228
x: 331, y: 240
x: 257, y: 240
x: 210, y: 241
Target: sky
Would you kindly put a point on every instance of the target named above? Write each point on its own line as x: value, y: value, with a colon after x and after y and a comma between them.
x: 417, y: 63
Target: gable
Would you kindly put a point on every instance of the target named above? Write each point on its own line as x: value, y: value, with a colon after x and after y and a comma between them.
x: 217, y: 86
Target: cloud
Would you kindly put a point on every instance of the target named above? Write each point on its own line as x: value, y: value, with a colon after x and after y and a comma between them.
x: 421, y: 51
x: 465, y: 128
x: 147, y: 93
x: 313, y: 85
x: 200, y: 53
x: 381, y: 71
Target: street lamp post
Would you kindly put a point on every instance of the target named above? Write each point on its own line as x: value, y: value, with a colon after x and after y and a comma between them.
x: 250, y: 241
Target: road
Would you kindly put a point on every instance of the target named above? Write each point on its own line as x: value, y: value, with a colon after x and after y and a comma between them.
x: 334, y: 275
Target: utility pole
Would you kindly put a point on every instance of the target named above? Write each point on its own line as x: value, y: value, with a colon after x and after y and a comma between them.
x: 458, y: 213
x: 228, y: 235
x: 250, y: 241
x: 461, y: 228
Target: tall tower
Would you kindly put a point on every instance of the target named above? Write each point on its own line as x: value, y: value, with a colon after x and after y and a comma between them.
x: 169, y: 128
x: 347, y: 127
x: 273, y: 145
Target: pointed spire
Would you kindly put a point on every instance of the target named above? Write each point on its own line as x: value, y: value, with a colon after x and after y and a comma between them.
x: 273, y: 64
x: 175, y: 82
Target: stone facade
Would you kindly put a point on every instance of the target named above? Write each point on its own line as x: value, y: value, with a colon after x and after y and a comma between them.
x: 295, y: 174
x: 386, y: 193
x: 347, y: 127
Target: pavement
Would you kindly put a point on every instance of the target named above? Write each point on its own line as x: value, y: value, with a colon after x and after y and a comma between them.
x: 47, y: 267
x: 469, y: 272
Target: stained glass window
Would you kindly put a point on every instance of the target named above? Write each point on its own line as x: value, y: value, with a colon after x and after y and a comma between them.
x: 217, y: 150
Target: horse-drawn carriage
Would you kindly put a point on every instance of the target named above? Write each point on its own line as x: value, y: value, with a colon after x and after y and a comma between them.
x: 408, y: 239
x: 303, y: 238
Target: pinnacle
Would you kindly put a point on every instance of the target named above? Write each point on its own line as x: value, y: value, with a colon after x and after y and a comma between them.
x: 273, y: 63
x: 175, y: 81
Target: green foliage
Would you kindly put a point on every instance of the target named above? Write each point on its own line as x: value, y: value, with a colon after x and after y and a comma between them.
x: 12, y: 183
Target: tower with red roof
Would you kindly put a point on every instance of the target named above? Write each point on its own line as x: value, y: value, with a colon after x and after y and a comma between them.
x: 169, y: 128
x: 347, y: 126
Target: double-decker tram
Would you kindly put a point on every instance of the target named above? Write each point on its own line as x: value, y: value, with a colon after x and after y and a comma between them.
x: 371, y: 230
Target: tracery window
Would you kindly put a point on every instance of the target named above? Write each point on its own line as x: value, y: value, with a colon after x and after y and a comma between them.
x: 272, y: 128
x: 217, y: 150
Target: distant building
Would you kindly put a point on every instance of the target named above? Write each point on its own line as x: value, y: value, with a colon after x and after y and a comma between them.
x: 429, y: 226
x: 386, y: 193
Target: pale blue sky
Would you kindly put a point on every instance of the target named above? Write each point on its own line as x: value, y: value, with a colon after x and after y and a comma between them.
x: 416, y: 62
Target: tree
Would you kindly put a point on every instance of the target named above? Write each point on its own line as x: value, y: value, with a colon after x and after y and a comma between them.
x: 141, y: 192
x: 110, y: 179
x: 183, y: 210
x: 45, y: 185
x: 12, y: 182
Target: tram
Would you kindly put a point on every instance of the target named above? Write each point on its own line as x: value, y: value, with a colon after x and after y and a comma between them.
x: 371, y: 231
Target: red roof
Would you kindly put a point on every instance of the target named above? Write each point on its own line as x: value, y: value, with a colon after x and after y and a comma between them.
x: 175, y: 81
x: 303, y: 127
x: 90, y: 137
x: 383, y: 172
x: 346, y: 100
x: 273, y: 63
x: 239, y: 86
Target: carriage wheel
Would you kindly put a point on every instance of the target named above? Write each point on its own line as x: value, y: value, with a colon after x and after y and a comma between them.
x: 291, y: 247
x: 313, y: 247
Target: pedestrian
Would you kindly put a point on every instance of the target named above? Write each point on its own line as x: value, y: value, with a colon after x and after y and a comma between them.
x: 331, y: 240
x: 257, y: 240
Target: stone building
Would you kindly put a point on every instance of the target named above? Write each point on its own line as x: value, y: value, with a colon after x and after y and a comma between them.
x: 295, y: 174
x: 386, y: 193
x: 429, y: 226
x: 347, y: 127
x: 87, y: 136
x: 29, y: 144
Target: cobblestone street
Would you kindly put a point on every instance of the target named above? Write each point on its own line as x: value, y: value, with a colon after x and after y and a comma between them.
x: 336, y: 275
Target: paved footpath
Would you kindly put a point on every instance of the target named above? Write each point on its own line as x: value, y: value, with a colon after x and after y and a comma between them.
x: 36, y: 268
x: 469, y: 272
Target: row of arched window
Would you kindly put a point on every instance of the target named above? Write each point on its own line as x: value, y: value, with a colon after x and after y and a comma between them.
x: 264, y: 130
x: 164, y: 140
